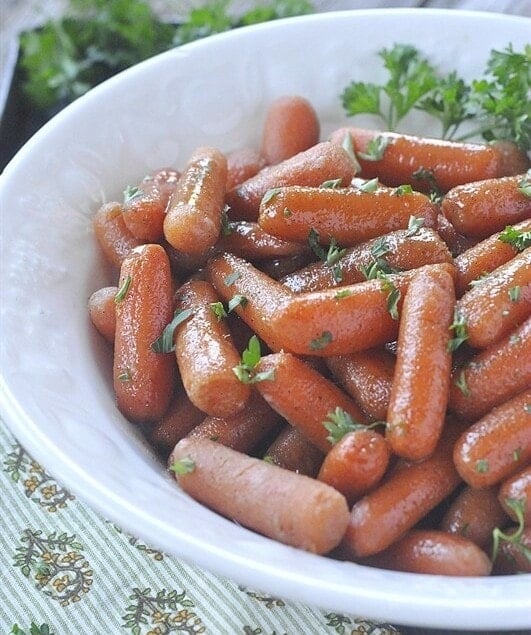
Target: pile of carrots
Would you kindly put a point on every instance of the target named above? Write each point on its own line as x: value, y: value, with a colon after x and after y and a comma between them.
x: 330, y: 341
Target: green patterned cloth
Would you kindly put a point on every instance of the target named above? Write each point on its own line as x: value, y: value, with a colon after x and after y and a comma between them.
x: 63, y: 566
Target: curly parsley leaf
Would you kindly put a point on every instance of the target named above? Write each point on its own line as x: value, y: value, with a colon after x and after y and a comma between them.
x: 245, y: 371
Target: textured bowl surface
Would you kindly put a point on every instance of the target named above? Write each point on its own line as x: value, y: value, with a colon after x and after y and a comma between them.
x: 55, y: 390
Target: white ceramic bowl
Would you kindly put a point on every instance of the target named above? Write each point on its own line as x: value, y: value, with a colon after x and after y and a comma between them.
x: 56, y: 391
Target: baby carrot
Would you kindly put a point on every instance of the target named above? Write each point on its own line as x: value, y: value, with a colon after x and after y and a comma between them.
x: 193, y: 219
x: 406, y: 158
x: 434, y: 552
x: 143, y: 378
x: 344, y: 320
x: 400, y: 250
x: 248, y: 240
x: 291, y: 508
x: 232, y: 276
x: 367, y: 376
x: 498, y: 303
x: 245, y: 430
x: 517, y: 488
x: 312, y: 167
x: 242, y: 164
x: 346, y: 215
x: 498, y: 445
x: 474, y: 514
x: 181, y: 417
x: 291, y: 126
x: 293, y: 451
x: 484, y: 257
x: 102, y: 311
x: 419, y: 393
x: 381, y: 517
x: 303, y: 396
x: 111, y: 232
x: 205, y: 353
x: 479, y: 209
x: 493, y: 376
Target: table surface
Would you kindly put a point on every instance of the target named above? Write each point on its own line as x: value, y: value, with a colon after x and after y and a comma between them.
x: 64, y: 566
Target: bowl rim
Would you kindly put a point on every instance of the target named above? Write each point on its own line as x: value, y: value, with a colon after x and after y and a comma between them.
x: 429, y: 611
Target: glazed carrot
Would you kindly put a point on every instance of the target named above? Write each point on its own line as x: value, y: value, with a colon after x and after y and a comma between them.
x: 245, y: 430
x: 484, y: 257
x: 291, y: 126
x: 111, y: 232
x: 419, y: 393
x: 346, y: 215
x: 185, y: 265
x: 513, y: 557
x: 206, y: 355
x: 242, y: 165
x: 474, y: 514
x: 145, y: 205
x: 499, y: 303
x: 493, y: 376
x: 248, y: 240
x: 356, y: 463
x: 193, y: 219
x: 181, y: 417
x: 344, y: 320
x: 143, y: 379
x: 293, y: 451
x: 401, y: 250
x: 380, y: 518
x: 456, y: 243
x: 517, y: 488
x: 449, y: 163
x: 303, y: 396
x: 291, y: 508
x: 277, y: 268
x: 312, y: 167
x: 434, y: 552
x: 102, y: 311
x: 367, y: 376
x: 482, y: 208
x: 233, y: 276
x: 498, y: 445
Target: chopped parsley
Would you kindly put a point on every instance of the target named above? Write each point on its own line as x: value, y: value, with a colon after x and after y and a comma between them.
x: 321, y: 342
x: 460, y: 331
x: 164, y: 343
x: 245, y: 371
x: 122, y: 291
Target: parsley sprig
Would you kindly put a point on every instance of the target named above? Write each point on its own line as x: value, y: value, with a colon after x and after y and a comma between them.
x: 518, y: 238
x: 499, y: 536
x: 378, y: 264
x: 338, y: 423
x: 331, y: 255
x: 245, y: 370
x: 498, y: 102
x: 460, y: 331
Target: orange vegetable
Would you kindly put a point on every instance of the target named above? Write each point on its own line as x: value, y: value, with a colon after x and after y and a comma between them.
x: 293, y: 451
x: 248, y: 240
x: 498, y: 445
x: 419, y: 393
x: 479, y: 209
x: 517, y: 488
x: 499, y: 303
x: 193, y: 219
x: 111, y: 232
x: 242, y: 165
x: 303, y: 396
x: 102, y: 311
x: 493, y: 376
x: 312, y: 167
x: 346, y: 215
x: 143, y: 379
x: 291, y: 126
x: 206, y: 355
x: 450, y: 163
x: 291, y: 508
x: 434, y: 552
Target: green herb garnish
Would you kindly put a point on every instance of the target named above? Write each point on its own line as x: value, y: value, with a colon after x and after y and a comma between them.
x: 514, y: 293
x: 369, y: 186
x: 122, y: 291
x: 231, y: 278
x: 482, y: 466
x: 164, y: 343
x: 517, y: 238
x: 375, y: 149
x: 321, y: 342
x: 218, y: 310
x: 402, y: 190
x: 414, y: 226
x: 499, y: 536
x: 330, y: 256
x: 270, y: 195
x: 245, y: 371
x: 459, y: 328
x: 237, y: 300
x: 393, y: 294
x: 460, y: 382
x: 339, y: 423
x: 332, y: 184
x: 183, y: 466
